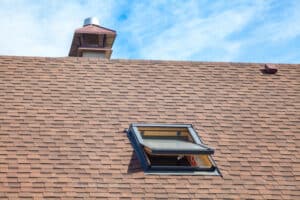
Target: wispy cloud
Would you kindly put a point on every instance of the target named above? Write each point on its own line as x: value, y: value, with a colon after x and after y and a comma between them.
x: 201, y: 30
x: 252, y: 31
x: 44, y: 28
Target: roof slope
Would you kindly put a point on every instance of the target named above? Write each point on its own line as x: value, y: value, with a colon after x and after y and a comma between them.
x: 62, y: 122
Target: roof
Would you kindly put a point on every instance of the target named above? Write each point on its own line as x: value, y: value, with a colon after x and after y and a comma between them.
x: 62, y: 124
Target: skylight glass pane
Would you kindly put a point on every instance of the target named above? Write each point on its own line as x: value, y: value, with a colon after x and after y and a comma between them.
x: 174, y: 146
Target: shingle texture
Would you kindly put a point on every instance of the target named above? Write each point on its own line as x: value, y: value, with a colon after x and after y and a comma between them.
x: 62, y: 122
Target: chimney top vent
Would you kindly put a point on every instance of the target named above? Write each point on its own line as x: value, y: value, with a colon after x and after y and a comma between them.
x: 92, y: 40
x: 91, y: 21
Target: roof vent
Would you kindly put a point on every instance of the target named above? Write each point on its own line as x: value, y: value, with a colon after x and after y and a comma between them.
x: 91, y: 21
x: 269, y: 69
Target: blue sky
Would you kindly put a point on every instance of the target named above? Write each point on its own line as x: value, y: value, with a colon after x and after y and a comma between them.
x: 200, y: 30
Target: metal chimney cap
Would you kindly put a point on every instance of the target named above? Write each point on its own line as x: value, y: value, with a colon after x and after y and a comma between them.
x: 91, y: 21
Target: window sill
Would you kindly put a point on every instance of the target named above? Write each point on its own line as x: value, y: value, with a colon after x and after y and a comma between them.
x: 183, y: 173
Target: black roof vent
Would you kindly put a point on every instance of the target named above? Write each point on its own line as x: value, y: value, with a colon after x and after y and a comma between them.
x: 269, y: 69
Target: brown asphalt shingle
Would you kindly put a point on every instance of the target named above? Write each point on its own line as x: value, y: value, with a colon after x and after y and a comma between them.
x: 62, y: 122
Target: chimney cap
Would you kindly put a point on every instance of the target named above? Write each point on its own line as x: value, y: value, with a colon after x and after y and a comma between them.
x: 91, y: 21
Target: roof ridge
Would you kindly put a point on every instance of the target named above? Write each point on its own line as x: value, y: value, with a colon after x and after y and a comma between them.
x: 146, y: 60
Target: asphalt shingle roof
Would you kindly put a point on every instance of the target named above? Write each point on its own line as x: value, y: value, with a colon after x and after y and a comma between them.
x: 62, y: 124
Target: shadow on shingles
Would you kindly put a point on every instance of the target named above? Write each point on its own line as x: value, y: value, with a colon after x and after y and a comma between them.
x: 264, y: 72
x: 134, y: 164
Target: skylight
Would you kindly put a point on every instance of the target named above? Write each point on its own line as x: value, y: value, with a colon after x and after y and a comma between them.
x: 171, y: 149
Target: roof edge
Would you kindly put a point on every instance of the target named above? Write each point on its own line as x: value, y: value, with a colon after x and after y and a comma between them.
x: 150, y: 61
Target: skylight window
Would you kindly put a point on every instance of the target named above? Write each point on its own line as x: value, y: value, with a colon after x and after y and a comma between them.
x: 171, y: 149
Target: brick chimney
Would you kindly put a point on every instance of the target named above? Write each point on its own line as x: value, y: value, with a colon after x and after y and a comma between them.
x: 92, y: 40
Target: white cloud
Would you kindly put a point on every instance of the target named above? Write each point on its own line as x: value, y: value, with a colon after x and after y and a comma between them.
x: 44, y: 28
x: 191, y: 30
x: 280, y: 28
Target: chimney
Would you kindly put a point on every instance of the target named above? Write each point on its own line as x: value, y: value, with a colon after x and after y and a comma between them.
x: 92, y: 40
